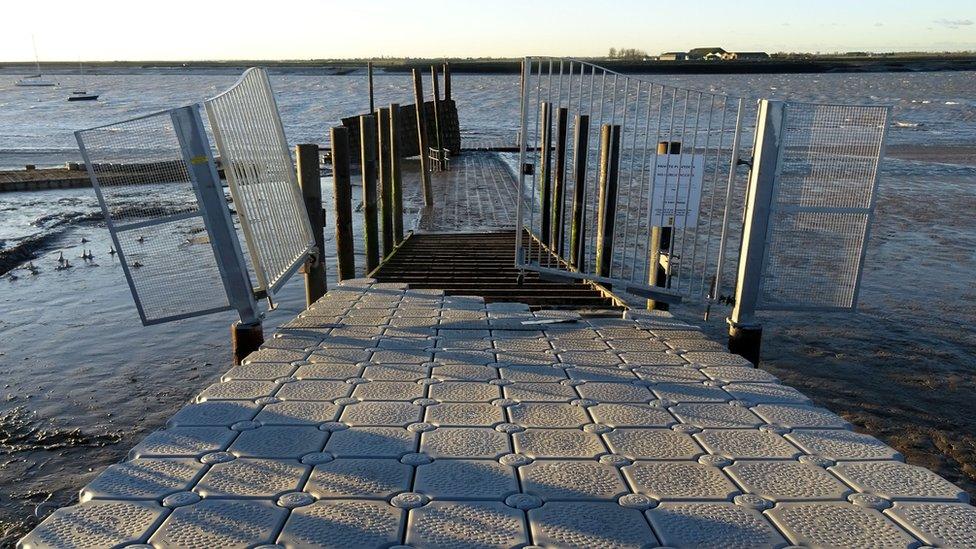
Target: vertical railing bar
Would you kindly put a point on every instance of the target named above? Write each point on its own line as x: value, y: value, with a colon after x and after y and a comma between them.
x: 642, y: 184
x: 733, y: 162
x: 698, y: 217
x: 653, y: 188
x: 535, y: 172
x: 603, y: 94
x: 677, y: 190
x: 542, y: 236
x: 681, y: 157
x: 714, y: 190
x: 630, y: 187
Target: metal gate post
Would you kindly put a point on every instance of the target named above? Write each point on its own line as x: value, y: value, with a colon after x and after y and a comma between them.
x: 246, y: 335
x: 745, y: 333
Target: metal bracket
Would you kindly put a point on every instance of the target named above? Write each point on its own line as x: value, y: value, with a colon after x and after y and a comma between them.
x: 528, y: 169
x: 743, y: 162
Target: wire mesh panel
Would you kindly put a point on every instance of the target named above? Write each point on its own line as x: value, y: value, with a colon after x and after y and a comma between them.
x: 145, y: 190
x: 822, y: 205
x: 262, y: 179
x: 655, y: 212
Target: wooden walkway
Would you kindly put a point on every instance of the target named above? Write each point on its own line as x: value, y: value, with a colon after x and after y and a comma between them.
x: 389, y: 415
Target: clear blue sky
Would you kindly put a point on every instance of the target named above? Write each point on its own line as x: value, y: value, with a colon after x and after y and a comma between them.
x: 220, y: 29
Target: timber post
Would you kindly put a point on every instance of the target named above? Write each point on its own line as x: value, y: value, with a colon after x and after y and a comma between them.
x: 545, y: 183
x: 367, y: 148
x: 310, y: 181
x: 396, y: 179
x: 661, y: 237
x: 556, y: 238
x: 607, y: 205
x: 342, y: 196
x: 577, y: 252
x: 385, y: 180
x: 422, y: 142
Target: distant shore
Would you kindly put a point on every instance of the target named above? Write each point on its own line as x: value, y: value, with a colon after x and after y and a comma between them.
x: 805, y: 64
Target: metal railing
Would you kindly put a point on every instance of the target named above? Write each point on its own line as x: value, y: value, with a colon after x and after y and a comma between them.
x: 627, y: 181
x: 261, y: 175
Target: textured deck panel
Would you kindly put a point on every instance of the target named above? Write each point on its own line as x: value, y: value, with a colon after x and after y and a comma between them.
x: 383, y: 416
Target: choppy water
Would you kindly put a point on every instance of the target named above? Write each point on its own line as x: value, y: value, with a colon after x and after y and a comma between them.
x: 82, y: 381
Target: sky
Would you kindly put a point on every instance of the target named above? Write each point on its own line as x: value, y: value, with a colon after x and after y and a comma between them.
x: 316, y: 29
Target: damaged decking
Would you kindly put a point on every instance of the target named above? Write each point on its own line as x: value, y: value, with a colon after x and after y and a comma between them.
x: 385, y: 416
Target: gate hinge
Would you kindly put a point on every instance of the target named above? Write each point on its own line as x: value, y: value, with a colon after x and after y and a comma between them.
x: 528, y: 169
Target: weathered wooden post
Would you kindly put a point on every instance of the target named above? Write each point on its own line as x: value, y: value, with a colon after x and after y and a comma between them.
x: 396, y: 179
x: 577, y: 243
x: 559, y: 183
x: 369, y: 79
x: 422, y: 144
x: 447, y: 81
x: 310, y: 181
x: 367, y: 147
x: 343, y: 203
x: 385, y: 179
x: 661, y: 235
x: 438, y: 139
x: 607, y: 206
x: 545, y: 175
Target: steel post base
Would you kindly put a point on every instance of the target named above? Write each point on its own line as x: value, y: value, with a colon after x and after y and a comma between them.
x: 745, y: 341
x: 245, y: 339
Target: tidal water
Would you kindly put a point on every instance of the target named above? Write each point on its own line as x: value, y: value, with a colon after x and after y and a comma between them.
x: 81, y: 381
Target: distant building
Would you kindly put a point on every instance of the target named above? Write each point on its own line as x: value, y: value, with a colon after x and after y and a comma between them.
x: 706, y: 53
x: 745, y: 56
x: 673, y: 56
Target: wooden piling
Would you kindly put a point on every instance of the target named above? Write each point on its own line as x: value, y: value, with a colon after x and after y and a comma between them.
x: 545, y: 173
x: 385, y: 179
x: 310, y: 181
x: 607, y: 206
x: 447, y: 81
x: 438, y: 139
x: 577, y: 243
x: 556, y: 237
x: 422, y: 144
x: 367, y: 148
x: 396, y: 180
x: 342, y: 196
x: 369, y: 80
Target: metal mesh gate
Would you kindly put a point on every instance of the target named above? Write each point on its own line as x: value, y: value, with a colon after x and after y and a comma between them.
x: 154, y: 216
x: 261, y: 176
x: 822, y: 205
x: 602, y: 200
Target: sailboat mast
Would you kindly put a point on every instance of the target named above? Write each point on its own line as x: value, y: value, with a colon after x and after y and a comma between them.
x: 37, y: 60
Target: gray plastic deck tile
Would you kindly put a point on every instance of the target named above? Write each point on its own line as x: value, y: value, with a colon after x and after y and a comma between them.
x: 793, y: 416
x: 565, y: 344
x: 382, y: 413
x: 340, y: 524
x: 558, y: 443
x: 937, y: 524
x: 221, y: 523
x: 388, y: 442
x: 652, y: 444
x: 766, y: 393
x: 238, y: 390
x: 631, y: 415
x: 670, y: 374
x: 652, y: 358
x: 716, y: 416
x: 145, y: 478
x: 97, y: 524
x: 540, y: 392
x: 183, y: 442
x: 465, y: 442
x: 396, y: 372
x: 214, y: 413
x: 464, y: 391
x: 787, y: 480
x: 470, y: 414
x: 679, y: 480
x: 269, y: 371
x: 599, y: 373
x: 464, y: 372
x: 716, y: 359
x: 278, y: 441
x: 471, y: 479
x: 298, y: 412
x: 275, y: 355
x: 314, y: 389
x: 537, y: 345
x: 837, y: 524
x: 548, y: 415
x: 554, y: 480
x: 532, y: 373
x: 252, y: 478
x: 335, y: 371
x: 746, y: 444
x: 641, y: 345
x: 359, y: 478
x: 840, y: 445
x: 690, y: 392
x: 604, y: 391
x: 898, y: 481
x: 462, y: 525
x: 589, y: 524
x: 700, y: 524
x: 739, y: 374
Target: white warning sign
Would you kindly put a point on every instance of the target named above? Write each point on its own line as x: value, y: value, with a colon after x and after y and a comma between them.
x: 677, y: 190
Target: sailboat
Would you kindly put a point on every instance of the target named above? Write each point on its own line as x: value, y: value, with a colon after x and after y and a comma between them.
x: 82, y: 94
x: 36, y: 79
